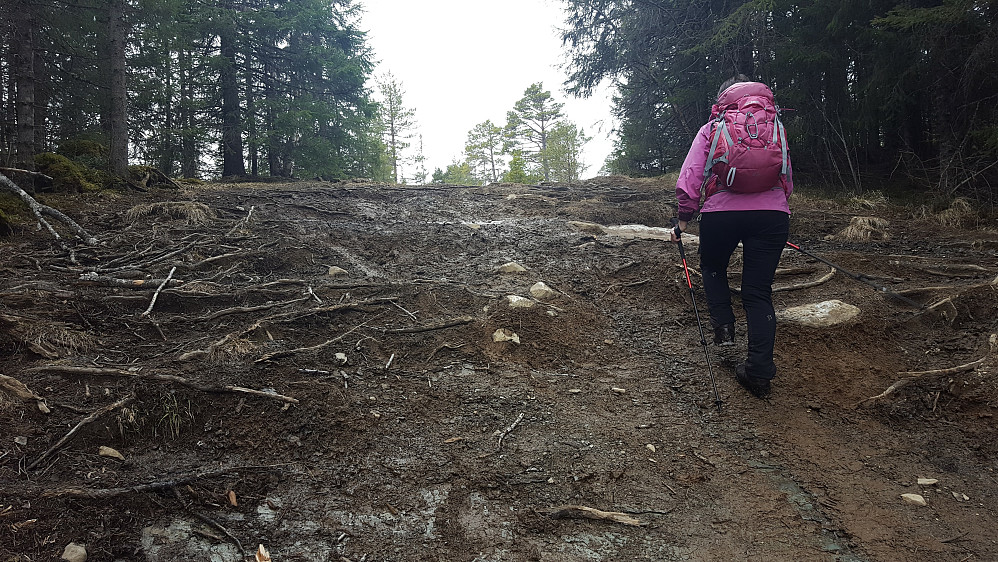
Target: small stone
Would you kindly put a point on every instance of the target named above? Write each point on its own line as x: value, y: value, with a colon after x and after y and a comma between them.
x: 540, y: 290
x: 914, y: 499
x: 960, y: 497
x: 74, y: 553
x: 650, y: 447
x: 21, y: 440
x: 472, y: 225
x: 335, y: 271
x: 505, y: 334
x: 512, y: 267
x: 619, y: 390
x: 552, y: 313
x: 516, y: 301
x: 109, y: 452
x: 927, y: 481
x: 574, y: 390
x: 341, y: 358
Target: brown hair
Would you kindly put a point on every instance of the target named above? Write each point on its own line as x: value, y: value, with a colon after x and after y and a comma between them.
x: 733, y: 80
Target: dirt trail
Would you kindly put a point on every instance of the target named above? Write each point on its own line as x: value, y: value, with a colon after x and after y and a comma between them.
x: 414, y: 436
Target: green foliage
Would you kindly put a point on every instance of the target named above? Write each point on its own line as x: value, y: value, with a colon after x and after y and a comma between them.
x: 299, y: 99
x: 397, y: 123
x: 89, y: 153
x: 529, y: 124
x: 564, y: 152
x: 458, y: 173
x: 518, y: 171
x: 883, y: 91
x: 483, y: 151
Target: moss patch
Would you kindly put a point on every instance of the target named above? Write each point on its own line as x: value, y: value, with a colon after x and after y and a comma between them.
x: 66, y: 174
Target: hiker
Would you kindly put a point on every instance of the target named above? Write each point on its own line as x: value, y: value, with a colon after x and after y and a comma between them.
x: 738, y: 163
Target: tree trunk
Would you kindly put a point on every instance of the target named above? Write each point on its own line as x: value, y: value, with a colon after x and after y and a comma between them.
x: 232, y: 137
x: 24, y: 78
x: 188, y: 145
x: 168, y: 146
x: 254, y: 146
x: 118, y: 111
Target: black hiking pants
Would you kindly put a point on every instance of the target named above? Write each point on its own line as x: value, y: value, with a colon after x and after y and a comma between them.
x: 763, y: 235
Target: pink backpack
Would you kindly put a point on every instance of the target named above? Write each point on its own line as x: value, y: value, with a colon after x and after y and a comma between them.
x: 748, y: 145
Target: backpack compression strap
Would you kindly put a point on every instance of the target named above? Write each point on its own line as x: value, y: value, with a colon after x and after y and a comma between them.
x: 721, y: 128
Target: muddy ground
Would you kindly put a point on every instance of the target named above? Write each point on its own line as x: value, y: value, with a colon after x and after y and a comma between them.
x: 369, y: 415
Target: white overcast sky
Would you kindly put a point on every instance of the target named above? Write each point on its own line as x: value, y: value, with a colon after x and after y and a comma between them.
x: 461, y: 62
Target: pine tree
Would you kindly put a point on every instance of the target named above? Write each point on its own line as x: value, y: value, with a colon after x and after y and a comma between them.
x: 530, y: 122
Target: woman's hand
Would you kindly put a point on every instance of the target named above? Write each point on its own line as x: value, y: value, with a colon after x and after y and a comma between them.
x: 681, y: 227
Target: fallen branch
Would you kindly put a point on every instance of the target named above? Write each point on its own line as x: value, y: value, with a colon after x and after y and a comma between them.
x: 93, y: 416
x: 282, y: 317
x: 38, y: 209
x: 111, y: 372
x: 242, y: 222
x: 155, y: 295
x: 912, y: 376
x: 583, y: 512
x: 26, y: 172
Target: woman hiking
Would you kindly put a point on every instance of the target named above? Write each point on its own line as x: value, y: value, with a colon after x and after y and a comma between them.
x: 739, y: 166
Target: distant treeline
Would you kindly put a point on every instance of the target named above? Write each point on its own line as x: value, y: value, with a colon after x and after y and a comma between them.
x: 193, y: 87
x: 902, y: 95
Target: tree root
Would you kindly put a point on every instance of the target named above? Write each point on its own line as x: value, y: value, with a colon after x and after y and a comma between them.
x: 110, y: 372
x: 583, y: 512
x: 912, y: 376
x: 93, y: 416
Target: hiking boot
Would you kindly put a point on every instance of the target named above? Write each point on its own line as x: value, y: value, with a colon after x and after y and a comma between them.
x: 757, y: 386
x: 724, y: 335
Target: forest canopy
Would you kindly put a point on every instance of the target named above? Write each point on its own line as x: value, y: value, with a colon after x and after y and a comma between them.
x: 195, y: 88
x: 883, y: 93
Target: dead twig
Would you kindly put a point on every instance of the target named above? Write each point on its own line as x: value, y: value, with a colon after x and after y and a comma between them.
x: 508, y: 430
x: 93, y: 416
x: 155, y: 295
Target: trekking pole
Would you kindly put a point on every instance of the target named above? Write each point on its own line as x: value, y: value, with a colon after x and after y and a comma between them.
x: 696, y: 312
x: 858, y: 277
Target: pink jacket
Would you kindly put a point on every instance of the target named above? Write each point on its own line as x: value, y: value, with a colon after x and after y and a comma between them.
x: 691, y: 178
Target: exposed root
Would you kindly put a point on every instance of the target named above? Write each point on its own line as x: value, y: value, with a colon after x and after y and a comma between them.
x: 912, y: 376
x: 583, y: 512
